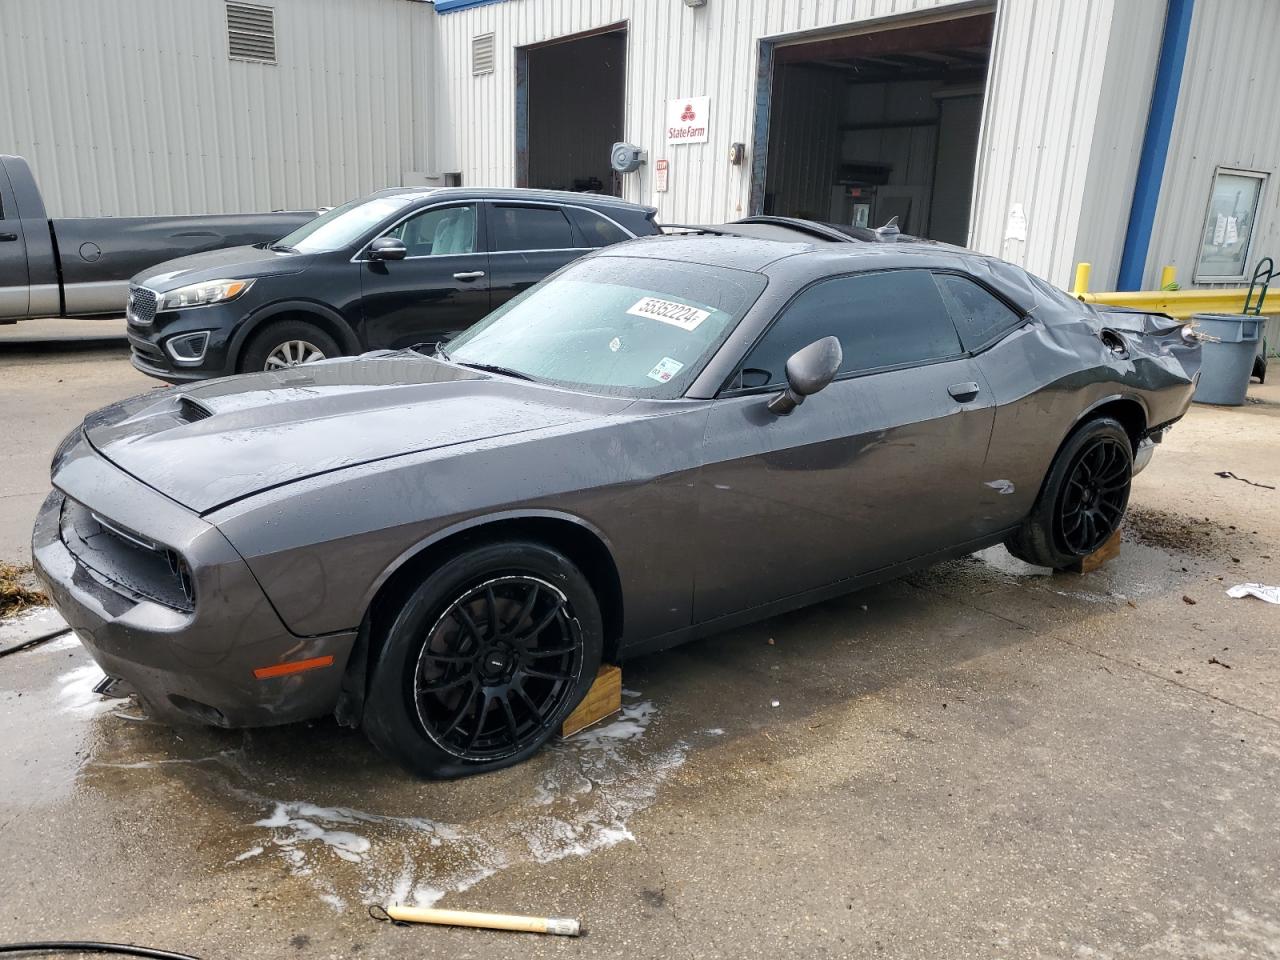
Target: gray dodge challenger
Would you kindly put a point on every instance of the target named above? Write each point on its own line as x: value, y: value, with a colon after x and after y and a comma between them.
x: 666, y: 438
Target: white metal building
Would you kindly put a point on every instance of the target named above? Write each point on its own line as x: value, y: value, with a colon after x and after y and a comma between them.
x: 1129, y: 133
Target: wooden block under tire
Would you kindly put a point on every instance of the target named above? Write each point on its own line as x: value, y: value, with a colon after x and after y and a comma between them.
x: 604, y: 699
x: 1108, y: 551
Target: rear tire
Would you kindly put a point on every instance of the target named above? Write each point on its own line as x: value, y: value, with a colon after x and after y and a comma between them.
x: 1083, y: 498
x: 484, y: 661
x: 287, y: 343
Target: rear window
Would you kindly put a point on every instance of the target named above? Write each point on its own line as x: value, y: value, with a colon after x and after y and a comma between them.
x: 595, y: 229
x: 979, y: 316
x: 530, y: 228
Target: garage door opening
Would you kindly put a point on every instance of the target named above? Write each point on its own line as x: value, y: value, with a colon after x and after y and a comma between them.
x: 569, y: 111
x: 877, y: 125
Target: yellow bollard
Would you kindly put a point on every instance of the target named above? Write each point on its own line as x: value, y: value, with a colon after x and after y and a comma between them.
x: 1168, y: 276
x: 1082, y: 278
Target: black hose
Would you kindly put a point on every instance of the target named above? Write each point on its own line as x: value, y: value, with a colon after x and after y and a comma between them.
x: 91, y: 946
x: 27, y: 645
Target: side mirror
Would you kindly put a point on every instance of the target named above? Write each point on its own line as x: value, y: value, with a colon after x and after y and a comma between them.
x: 808, y: 371
x: 387, y: 248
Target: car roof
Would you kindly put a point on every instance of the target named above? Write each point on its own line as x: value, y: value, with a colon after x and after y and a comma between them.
x: 513, y: 193
x: 800, y: 252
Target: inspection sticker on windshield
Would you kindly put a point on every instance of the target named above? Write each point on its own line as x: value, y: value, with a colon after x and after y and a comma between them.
x: 668, y: 311
x: 665, y: 370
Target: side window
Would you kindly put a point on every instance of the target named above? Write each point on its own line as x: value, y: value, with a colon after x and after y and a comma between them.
x: 529, y: 228
x: 438, y: 232
x: 882, y: 319
x: 979, y: 316
x: 595, y: 229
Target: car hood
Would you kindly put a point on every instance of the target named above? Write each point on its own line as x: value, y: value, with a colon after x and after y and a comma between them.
x: 233, y: 263
x: 209, y: 445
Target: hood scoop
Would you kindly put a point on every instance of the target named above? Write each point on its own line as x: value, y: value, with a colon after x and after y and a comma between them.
x: 191, y: 410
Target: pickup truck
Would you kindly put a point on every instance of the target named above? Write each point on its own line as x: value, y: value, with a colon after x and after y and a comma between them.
x: 80, y: 267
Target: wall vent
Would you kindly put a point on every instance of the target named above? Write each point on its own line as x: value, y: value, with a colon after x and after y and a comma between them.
x: 482, y: 55
x: 251, y: 32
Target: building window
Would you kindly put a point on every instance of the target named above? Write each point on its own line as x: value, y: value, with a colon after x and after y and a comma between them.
x: 1228, y: 225
x: 251, y: 32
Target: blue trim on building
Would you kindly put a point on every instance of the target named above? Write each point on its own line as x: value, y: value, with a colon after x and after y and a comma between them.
x: 452, y: 6
x: 1155, y: 144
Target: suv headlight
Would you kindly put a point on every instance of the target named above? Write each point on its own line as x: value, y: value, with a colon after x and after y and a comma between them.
x: 203, y: 294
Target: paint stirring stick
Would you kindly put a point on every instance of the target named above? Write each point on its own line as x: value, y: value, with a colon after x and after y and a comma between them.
x: 490, y: 921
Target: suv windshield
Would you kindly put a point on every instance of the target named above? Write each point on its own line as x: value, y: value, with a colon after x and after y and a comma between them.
x: 617, y: 325
x: 342, y: 226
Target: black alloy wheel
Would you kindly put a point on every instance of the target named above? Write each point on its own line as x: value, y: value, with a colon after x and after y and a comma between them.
x: 483, y: 659
x: 1082, y: 499
x: 1095, y: 495
x: 497, y: 667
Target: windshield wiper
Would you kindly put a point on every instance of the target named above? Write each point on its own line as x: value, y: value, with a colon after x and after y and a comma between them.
x: 282, y: 248
x: 494, y: 368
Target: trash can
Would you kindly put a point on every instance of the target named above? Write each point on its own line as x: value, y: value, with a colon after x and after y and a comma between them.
x: 1226, y: 360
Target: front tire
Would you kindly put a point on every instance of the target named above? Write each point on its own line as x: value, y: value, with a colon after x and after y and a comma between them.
x: 287, y: 343
x: 1083, y: 499
x: 484, y: 661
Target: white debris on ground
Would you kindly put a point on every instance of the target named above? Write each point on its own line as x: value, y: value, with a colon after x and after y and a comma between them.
x: 596, y: 781
x: 1259, y: 590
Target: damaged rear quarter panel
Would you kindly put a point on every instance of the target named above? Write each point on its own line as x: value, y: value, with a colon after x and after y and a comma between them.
x: 1050, y: 374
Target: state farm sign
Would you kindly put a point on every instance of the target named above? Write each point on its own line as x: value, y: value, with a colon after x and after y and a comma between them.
x: 687, y: 119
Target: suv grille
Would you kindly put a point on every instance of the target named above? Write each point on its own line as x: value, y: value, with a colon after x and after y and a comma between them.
x: 142, y: 306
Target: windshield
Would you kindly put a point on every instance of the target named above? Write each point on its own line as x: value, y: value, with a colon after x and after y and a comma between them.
x: 342, y: 226
x: 631, y: 327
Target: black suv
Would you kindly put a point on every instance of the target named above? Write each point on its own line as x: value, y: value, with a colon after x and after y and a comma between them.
x: 398, y: 268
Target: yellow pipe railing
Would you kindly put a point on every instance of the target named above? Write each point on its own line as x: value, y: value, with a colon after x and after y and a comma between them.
x: 1180, y: 304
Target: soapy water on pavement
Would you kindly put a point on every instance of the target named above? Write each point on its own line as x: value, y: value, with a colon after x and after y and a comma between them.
x: 75, y: 691
x: 593, y: 784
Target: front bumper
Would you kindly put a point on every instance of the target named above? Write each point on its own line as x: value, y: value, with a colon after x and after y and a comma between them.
x: 149, y: 336
x: 187, y: 665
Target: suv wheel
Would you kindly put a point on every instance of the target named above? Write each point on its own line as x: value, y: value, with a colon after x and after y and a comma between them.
x: 288, y: 343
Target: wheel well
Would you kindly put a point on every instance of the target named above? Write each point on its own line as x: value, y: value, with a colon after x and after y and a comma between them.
x: 1128, y: 412
x: 580, y: 545
x: 341, y: 335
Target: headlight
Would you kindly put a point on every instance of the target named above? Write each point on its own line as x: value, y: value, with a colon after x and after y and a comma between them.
x: 203, y: 294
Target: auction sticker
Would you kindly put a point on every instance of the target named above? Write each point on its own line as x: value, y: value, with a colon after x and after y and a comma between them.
x: 665, y: 370
x: 669, y: 311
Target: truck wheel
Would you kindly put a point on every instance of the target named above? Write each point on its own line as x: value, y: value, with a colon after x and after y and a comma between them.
x: 287, y: 343
x: 484, y: 661
x: 1083, y: 499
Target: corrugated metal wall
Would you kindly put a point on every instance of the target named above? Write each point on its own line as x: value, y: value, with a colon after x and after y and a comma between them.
x: 133, y: 106
x: 1044, y: 100
x: 1121, y: 121
x: 1040, y: 131
x: 1228, y: 115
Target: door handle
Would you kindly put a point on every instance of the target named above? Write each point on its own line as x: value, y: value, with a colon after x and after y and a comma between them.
x: 8, y: 236
x: 469, y: 275
x: 963, y: 392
